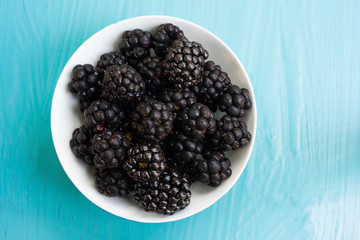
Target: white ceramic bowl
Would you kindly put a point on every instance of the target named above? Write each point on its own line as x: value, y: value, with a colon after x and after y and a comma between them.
x: 65, y: 117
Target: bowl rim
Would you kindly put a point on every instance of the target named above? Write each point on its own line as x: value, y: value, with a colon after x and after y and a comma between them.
x: 165, y: 19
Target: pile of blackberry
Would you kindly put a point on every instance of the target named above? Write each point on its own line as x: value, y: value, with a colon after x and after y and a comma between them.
x: 149, y: 128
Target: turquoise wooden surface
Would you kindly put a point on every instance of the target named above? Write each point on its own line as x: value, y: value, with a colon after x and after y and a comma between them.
x: 303, y: 178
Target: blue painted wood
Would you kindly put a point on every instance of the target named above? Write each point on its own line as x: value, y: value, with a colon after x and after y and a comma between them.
x: 302, y: 181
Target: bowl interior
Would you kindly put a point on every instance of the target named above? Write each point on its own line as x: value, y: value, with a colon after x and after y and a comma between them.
x: 66, y: 116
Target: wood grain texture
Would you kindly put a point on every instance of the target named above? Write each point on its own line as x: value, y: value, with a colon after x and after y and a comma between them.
x: 302, y: 181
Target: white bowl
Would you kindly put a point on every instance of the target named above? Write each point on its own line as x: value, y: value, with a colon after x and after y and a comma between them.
x: 65, y: 117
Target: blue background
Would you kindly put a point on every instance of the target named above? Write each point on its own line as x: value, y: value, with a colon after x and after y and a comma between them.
x: 303, y: 178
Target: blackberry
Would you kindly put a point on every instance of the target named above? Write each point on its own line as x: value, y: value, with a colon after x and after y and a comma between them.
x: 80, y: 144
x: 101, y: 115
x: 198, y: 121
x: 109, y: 149
x: 145, y: 162
x: 177, y: 99
x: 165, y: 34
x: 85, y: 83
x: 150, y: 71
x: 213, y: 169
x: 167, y: 195
x: 214, y: 83
x: 183, y: 148
x: 152, y: 120
x: 113, y: 182
x: 184, y: 62
x: 122, y: 84
x: 136, y: 44
x: 235, y: 101
x: 110, y: 59
x: 231, y: 134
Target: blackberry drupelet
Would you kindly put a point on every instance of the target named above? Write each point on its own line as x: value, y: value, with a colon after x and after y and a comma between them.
x: 165, y: 34
x: 213, y: 169
x: 136, y: 44
x: 110, y: 59
x: 109, y: 149
x: 85, y: 83
x: 152, y: 120
x: 214, y: 83
x: 177, y: 99
x: 198, y: 121
x: 231, y: 134
x: 167, y: 195
x: 182, y: 148
x: 150, y: 71
x: 235, y: 101
x: 101, y: 115
x: 122, y: 84
x: 184, y: 62
x: 145, y: 162
x: 113, y: 182
x: 80, y: 144
x: 84, y: 104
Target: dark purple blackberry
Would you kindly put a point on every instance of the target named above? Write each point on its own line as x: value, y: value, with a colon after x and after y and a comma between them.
x: 231, y: 134
x: 213, y: 84
x: 122, y: 84
x: 182, y: 148
x: 110, y: 59
x: 235, y: 101
x: 113, y: 182
x: 85, y: 83
x: 165, y: 34
x: 184, y: 62
x: 109, y: 149
x: 152, y: 120
x: 80, y: 144
x: 145, y: 162
x: 177, y: 99
x: 213, y: 169
x: 150, y: 71
x: 167, y: 195
x: 101, y: 115
x: 198, y: 121
x: 136, y: 44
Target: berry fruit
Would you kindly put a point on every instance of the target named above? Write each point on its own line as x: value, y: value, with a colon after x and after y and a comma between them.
x: 145, y: 162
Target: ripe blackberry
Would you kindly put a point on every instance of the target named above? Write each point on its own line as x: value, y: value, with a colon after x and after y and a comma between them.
x: 213, y: 169
x: 145, y: 162
x: 109, y: 149
x: 167, y: 195
x: 152, y: 120
x: 214, y: 83
x: 184, y: 62
x: 136, y: 44
x: 165, y: 34
x: 85, y: 83
x: 101, y: 115
x: 231, y: 134
x: 122, y: 84
x: 177, y: 99
x: 198, y: 121
x: 182, y: 148
x: 110, y: 59
x: 113, y: 182
x: 150, y: 71
x: 235, y: 101
x: 80, y: 144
